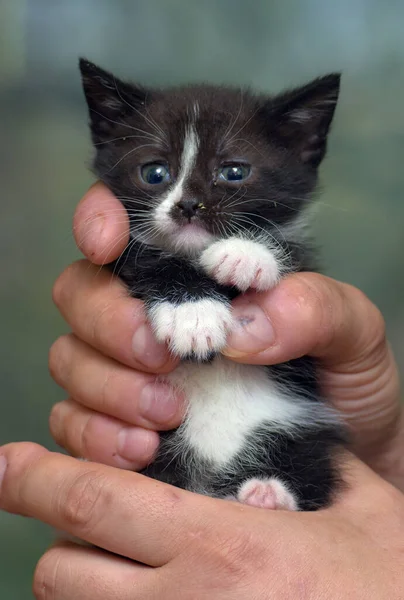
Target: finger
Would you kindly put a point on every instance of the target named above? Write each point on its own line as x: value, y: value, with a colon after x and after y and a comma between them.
x: 100, y: 225
x: 88, y: 434
x: 363, y: 493
x: 108, y: 387
x: 120, y: 511
x: 68, y: 571
x: 307, y: 313
x: 100, y: 312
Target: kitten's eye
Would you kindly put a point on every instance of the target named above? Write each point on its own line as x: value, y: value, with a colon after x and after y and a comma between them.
x: 234, y: 172
x: 155, y: 173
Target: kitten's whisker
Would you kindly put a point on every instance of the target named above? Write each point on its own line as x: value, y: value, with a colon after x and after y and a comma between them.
x: 127, y: 154
x: 233, y: 142
x: 242, y: 219
x: 124, y: 125
x: 127, y: 248
x: 148, y: 120
x: 232, y: 123
x: 127, y: 137
x: 237, y: 201
x: 243, y: 126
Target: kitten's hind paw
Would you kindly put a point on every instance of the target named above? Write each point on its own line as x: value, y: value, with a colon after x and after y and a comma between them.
x: 241, y: 263
x: 267, y: 493
x: 196, y: 329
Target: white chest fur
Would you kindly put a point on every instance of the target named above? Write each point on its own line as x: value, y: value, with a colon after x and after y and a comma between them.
x: 227, y: 401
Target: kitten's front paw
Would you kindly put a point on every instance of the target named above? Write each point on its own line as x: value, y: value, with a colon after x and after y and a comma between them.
x: 241, y: 263
x: 197, y: 328
x: 267, y: 493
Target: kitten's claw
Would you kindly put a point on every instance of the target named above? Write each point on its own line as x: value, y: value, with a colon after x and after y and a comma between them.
x: 241, y: 263
x: 196, y: 328
x: 267, y: 493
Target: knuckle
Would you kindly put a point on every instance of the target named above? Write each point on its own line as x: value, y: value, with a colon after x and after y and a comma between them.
x: 373, y: 332
x: 236, y: 557
x: 46, y: 575
x: 85, y: 502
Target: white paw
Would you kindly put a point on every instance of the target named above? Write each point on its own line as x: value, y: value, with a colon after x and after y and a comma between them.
x: 267, y: 493
x: 198, y: 327
x: 241, y: 263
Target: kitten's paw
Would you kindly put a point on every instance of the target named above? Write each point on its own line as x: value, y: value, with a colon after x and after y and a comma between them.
x: 241, y: 263
x: 195, y: 329
x: 267, y: 493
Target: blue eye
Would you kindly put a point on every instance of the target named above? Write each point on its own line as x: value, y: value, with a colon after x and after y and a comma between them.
x: 155, y: 173
x: 234, y: 172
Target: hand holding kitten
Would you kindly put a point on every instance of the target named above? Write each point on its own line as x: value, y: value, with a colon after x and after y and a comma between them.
x: 157, y: 541
x: 113, y: 413
x: 107, y: 376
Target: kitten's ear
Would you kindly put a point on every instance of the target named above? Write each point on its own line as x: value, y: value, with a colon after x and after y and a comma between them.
x: 108, y: 98
x: 304, y: 117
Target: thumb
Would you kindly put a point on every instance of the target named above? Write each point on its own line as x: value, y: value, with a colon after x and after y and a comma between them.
x: 310, y: 314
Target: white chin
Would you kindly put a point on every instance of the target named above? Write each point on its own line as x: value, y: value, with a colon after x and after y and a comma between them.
x: 191, y: 238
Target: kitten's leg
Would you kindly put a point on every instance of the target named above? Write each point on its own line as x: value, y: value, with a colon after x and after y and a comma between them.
x: 187, y: 309
x: 195, y: 327
x: 267, y: 493
x: 242, y: 263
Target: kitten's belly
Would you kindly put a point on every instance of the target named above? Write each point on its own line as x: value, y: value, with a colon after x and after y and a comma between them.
x: 228, y: 401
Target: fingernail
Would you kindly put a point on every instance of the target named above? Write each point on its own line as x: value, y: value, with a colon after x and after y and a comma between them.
x: 253, y: 331
x: 147, y: 350
x: 158, y: 402
x: 3, y: 467
x: 137, y: 445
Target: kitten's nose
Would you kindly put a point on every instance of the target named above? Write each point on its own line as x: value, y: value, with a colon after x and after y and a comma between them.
x: 188, y: 207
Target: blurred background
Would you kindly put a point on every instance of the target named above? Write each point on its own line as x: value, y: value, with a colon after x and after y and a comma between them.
x: 45, y: 148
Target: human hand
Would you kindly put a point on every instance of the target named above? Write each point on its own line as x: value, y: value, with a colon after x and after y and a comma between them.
x: 103, y: 366
x: 166, y: 543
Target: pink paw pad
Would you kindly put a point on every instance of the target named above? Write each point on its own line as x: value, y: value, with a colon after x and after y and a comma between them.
x: 267, y: 493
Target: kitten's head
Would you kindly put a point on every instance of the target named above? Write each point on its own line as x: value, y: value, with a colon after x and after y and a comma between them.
x: 198, y: 163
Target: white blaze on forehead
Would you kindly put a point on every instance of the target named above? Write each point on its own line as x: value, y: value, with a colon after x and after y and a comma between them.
x: 188, y: 160
x: 189, y: 154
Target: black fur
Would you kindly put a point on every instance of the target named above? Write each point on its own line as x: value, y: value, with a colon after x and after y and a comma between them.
x: 284, y: 139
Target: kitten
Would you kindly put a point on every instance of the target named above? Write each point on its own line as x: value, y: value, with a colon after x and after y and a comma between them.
x: 216, y: 181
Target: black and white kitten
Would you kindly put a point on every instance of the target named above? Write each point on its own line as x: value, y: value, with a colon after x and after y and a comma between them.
x: 215, y: 182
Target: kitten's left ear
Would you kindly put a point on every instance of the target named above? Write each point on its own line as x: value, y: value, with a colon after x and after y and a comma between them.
x: 108, y: 98
x: 303, y: 117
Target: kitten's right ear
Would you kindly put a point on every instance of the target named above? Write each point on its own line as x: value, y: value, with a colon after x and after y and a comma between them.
x: 108, y: 98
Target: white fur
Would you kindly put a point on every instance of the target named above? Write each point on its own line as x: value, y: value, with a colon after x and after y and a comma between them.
x: 174, y: 236
x: 242, y: 263
x: 301, y: 115
x: 267, y: 493
x: 198, y: 327
x: 227, y: 401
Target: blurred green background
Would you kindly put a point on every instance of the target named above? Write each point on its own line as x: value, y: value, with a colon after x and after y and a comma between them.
x: 44, y: 150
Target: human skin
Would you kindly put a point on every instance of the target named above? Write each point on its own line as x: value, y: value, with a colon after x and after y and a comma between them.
x: 167, y: 543
x: 193, y: 546
x: 108, y: 364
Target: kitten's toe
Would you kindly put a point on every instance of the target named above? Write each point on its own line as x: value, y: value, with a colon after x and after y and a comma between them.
x: 267, y: 493
x: 241, y: 263
x: 195, y: 329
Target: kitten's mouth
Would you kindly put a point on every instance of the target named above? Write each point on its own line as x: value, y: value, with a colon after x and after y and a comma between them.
x: 191, y: 235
